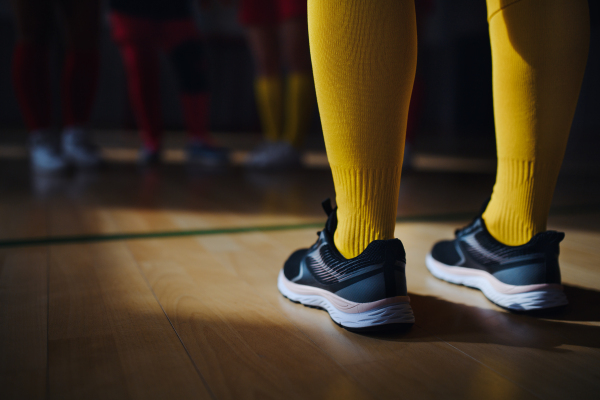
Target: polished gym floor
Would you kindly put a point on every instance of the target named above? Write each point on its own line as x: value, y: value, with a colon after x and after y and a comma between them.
x: 161, y: 283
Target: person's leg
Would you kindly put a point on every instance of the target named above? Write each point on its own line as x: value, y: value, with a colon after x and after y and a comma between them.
x: 80, y: 73
x: 260, y: 18
x: 31, y: 78
x: 186, y: 51
x: 539, y: 52
x: 300, y: 89
x: 364, y: 59
x: 268, y: 86
x: 30, y: 69
x: 187, y: 55
x: 138, y: 46
x: 80, y: 76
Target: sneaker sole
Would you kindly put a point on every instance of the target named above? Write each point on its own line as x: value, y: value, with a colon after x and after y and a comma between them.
x: 512, y: 297
x: 394, y: 312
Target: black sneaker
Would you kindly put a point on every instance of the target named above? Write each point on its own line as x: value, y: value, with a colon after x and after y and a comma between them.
x: 364, y: 293
x: 519, y: 278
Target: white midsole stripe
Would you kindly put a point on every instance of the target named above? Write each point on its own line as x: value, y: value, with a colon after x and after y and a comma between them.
x: 338, y: 302
x: 498, y: 286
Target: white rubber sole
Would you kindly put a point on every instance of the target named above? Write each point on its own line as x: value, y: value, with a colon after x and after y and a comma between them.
x: 518, y: 298
x: 395, y: 310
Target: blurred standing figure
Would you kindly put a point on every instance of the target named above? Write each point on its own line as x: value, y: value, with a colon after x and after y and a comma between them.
x: 31, y: 78
x: 143, y: 27
x: 278, y: 28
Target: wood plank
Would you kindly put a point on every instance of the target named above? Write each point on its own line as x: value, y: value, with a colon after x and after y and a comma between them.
x: 555, y: 356
x: 23, y: 312
x: 108, y: 336
x: 389, y: 366
x: 22, y: 217
x: 243, y: 345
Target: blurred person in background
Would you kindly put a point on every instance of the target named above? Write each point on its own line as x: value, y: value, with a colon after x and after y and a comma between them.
x: 141, y: 29
x: 277, y: 28
x: 31, y: 78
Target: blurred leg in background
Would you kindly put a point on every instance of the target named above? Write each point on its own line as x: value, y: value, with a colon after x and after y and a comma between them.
x: 277, y: 33
x: 142, y: 30
x: 138, y: 42
x: 187, y: 54
x: 35, y: 19
x: 80, y: 78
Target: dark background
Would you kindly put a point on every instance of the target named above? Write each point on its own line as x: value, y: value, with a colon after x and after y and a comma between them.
x: 454, y: 65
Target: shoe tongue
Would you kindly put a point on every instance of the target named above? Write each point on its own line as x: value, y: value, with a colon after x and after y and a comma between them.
x: 331, y: 224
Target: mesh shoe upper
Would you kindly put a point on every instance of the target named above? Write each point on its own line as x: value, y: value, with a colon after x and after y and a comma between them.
x: 377, y: 273
x: 532, y: 263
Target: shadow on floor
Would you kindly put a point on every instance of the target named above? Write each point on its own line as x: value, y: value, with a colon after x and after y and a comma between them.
x: 452, y: 322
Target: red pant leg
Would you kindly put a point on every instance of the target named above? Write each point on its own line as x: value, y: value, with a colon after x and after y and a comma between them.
x: 138, y: 42
x: 182, y: 43
x: 289, y: 9
x: 258, y: 12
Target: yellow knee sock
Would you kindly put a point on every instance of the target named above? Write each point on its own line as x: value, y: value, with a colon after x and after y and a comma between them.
x: 364, y: 58
x: 270, y: 105
x: 539, y: 52
x: 299, y: 103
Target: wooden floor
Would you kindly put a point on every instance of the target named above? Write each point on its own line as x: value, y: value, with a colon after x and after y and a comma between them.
x: 200, y: 316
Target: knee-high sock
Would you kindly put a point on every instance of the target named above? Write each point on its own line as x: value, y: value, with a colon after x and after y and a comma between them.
x: 31, y: 78
x: 539, y: 52
x: 80, y: 75
x: 270, y: 108
x: 141, y: 64
x: 364, y: 59
x: 299, y: 103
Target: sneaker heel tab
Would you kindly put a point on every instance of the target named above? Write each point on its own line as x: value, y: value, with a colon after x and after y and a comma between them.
x: 396, y: 248
x: 551, y: 237
x: 326, y: 204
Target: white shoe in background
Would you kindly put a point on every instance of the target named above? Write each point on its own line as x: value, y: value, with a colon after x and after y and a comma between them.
x: 78, y: 148
x: 272, y: 155
x: 44, y: 152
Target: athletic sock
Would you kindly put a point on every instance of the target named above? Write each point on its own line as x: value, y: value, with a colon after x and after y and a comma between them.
x: 299, y: 103
x: 539, y: 52
x: 141, y: 64
x: 80, y: 76
x: 364, y: 59
x: 195, y: 113
x: 269, y: 100
x: 31, y: 78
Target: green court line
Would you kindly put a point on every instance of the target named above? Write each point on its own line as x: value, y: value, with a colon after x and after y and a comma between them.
x: 72, y: 239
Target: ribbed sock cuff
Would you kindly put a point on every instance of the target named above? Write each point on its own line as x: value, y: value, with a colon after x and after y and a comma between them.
x: 367, y: 200
x: 521, y: 200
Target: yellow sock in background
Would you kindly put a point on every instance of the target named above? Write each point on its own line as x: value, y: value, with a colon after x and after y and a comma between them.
x: 269, y: 99
x: 539, y: 52
x: 364, y: 58
x: 299, y: 103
